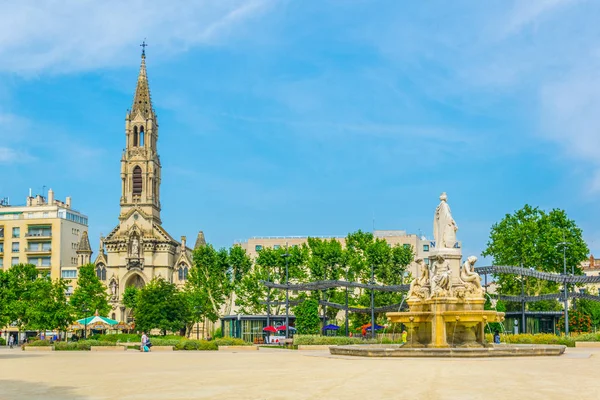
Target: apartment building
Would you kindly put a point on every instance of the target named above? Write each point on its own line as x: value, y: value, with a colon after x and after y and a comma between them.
x: 44, y: 232
x: 420, y: 244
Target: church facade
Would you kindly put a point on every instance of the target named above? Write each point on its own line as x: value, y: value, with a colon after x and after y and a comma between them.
x: 139, y: 249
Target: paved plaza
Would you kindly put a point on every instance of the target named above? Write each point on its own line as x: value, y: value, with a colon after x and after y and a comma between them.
x: 288, y: 374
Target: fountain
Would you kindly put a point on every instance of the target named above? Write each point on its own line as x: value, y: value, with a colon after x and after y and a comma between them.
x: 446, y: 303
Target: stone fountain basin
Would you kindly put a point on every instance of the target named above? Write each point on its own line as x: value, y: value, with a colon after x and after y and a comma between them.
x: 493, y: 350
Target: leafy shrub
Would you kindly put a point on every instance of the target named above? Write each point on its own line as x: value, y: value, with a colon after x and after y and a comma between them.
x: 72, y: 346
x: 539, y: 338
x: 92, y: 342
x: 587, y: 337
x: 196, y: 345
x: 307, y: 317
x: 165, y: 342
x: 229, y: 341
x: 37, y: 343
x: 332, y: 340
x: 2, y: 341
x: 218, y: 333
x: 121, y: 337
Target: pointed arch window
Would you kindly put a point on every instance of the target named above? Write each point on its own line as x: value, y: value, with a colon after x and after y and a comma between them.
x: 182, y: 272
x: 137, y: 180
x: 101, y: 272
x: 141, y: 140
x: 135, y: 136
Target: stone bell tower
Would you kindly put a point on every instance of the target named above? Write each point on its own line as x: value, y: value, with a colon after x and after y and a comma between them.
x: 140, y: 164
x: 139, y: 249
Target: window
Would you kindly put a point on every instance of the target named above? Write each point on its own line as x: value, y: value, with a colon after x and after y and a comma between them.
x: 141, y: 136
x: 15, y: 247
x: 14, y: 261
x: 425, y: 247
x: 1, y: 232
x: 101, y: 272
x: 258, y: 247
x: 69, y: 274
x: 135, y: 136
x: 16, y: 232
x: 137, y: 180
x: 1, y: 247
x: 426, y: 261
x: 182, y: 272
x: 276, y: 247
x: 69, y: 290
x: 45, y: 261
x: 1, y: 262
x: 46, y: 246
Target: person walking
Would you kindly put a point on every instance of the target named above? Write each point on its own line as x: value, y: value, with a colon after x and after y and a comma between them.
x: 11, y: 341
x: 144, y: 347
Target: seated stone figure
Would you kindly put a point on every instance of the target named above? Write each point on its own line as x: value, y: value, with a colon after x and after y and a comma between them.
x: 471, y: 278
x: 418, y: 285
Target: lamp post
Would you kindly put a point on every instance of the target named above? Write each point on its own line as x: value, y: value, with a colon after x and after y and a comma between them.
x: 372, y: 301
x: 86, y: 311
x: 346, y: 310
x: 566, y: 299
x: 287, y: 293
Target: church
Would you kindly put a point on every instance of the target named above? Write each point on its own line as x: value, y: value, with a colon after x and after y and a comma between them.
x: 139, y: 249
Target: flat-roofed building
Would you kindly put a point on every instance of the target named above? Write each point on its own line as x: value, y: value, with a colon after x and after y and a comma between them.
x: 45, y: 232
x: 420, y: 244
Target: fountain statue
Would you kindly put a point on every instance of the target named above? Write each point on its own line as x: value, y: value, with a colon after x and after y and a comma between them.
x: 446, y: 300
x: 446, y: 316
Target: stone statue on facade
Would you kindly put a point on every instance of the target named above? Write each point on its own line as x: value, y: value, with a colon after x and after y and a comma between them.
x: 113, y: 289
x: 444, y: 226
x: 135, y: 247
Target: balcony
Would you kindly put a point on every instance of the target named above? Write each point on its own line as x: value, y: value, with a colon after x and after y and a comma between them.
x: 38, y: 235
x: 38, y: 251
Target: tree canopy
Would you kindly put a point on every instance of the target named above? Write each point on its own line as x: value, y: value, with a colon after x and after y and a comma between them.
x: 91, y: 294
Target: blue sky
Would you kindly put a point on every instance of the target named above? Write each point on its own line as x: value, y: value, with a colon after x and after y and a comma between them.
x: 281, y: 117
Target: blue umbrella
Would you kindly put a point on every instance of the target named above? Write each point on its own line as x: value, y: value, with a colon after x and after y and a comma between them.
x: 331, y: 327
x: 377, y: 327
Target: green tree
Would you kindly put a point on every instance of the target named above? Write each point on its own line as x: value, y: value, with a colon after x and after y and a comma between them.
x: 130, y: 296
x: 307, y: 317
x: 90, y: 294
x: 161, y: 306
x: 240, y: 266
x: 20, y: 294
x: 591, y: 309
x: 209, y: 283
x: 51, y: 309
x: 531, y: 238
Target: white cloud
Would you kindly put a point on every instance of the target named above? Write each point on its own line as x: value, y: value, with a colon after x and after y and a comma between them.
x: 10, y: 156
x: 41, y: 35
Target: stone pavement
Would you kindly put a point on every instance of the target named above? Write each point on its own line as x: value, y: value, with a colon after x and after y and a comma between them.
x: 288, y: 374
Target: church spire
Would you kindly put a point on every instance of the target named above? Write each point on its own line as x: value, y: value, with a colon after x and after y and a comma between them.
x: 142, y: 101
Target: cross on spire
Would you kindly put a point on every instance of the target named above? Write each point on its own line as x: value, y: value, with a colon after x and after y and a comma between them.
x: 143, y: 45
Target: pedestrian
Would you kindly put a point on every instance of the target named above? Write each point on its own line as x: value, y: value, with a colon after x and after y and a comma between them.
x: 11, y: 341
x: 404, y: 336
x: 496, y: 337
x: 144, y: 347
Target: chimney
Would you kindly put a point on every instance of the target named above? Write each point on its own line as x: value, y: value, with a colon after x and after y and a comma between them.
x: 50, y: 196
x: 68, y: 201
x: 183, y: 240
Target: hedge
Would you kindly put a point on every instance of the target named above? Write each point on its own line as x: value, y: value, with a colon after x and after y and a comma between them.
x: 539, y: 338
x: 2, y: 341
x: 332, y: 340
x: 196, y: 345
x: 37, y: 343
